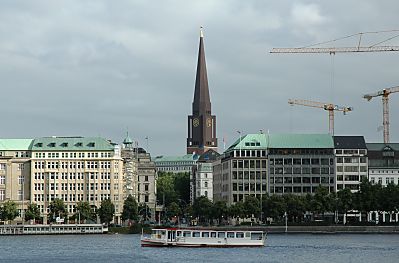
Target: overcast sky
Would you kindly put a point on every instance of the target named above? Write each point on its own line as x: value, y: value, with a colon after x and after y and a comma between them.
x: 96, y: 68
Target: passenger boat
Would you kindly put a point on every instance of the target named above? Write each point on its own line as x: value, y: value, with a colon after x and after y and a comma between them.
x: 177, y: 237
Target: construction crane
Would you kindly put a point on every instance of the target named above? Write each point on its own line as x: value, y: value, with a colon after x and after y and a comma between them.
x: 385, y: 108
x: 376, y: 47
x: 330, y: 107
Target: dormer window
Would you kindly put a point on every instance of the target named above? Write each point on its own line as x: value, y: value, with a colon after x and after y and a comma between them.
x: 91, y: 144
x: 39, y: 144
x: 79, y: 144
x: 51, y: 144
x: 64, y: 144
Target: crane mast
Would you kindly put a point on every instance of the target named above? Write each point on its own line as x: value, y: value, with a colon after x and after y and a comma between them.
x: 330, y: 107
x: 385, y: 107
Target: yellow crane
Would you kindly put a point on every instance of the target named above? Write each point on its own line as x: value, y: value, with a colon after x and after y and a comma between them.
x: 330, y: 107
x: 385, y: 107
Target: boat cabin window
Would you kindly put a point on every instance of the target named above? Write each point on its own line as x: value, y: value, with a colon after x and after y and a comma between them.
x: 196, y: 234
x: 240, y: 235
x: 178, y: 233
x: 187, y: 233
x: 247, y: 234
x: 213, y: 234
x: 230, y: 234
x: 205, y: 234
x: 256, y: 236
x: 221, y: 234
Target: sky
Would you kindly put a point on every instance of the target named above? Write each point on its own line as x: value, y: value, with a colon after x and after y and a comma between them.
x: 100, y: 68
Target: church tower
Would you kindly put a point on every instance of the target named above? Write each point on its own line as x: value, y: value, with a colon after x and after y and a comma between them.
x: 201, y: 124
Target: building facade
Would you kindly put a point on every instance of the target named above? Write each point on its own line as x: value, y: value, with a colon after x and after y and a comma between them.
x: 75, y: 169
x: 201, y: 179
x: 351, y: 164
x: 299, y: 163
x: 201, y: 123
x: 242, y: 170
x: 176, y: 164
x: 258, y: 164
x: 383, y: 160
x: 15, y: 172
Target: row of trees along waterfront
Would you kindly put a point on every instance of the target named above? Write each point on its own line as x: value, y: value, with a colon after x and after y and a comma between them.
x: 298, y: 209
x: 172, y: 192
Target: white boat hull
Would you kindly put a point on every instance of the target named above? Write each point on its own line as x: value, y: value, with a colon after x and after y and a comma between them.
x: 170, y: 240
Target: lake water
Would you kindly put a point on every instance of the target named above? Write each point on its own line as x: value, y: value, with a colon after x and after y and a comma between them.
x: 126, y: 248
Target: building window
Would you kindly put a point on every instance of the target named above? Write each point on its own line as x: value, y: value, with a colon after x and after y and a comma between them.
x: 21, y: 179
x: 20, y: 195
x: 206, y: 184
x: 2, y: 179
x: 146, y: 198
x: 206, y: 193
x: 2, y: 195
x: 2, y: 166
x: 20, y: 166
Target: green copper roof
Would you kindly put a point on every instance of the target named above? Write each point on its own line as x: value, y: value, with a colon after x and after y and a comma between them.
x: 312, y: 141
x: 250, y: 141
x: 127, y: 140
x: 71, y: 144
x: 264, y: 141
x: 187, y: 157
x: 15, y: 144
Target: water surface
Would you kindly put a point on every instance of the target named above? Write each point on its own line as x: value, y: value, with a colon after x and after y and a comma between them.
x: 126, y: 248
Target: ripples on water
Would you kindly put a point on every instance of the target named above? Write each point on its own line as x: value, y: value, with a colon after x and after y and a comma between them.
x: 126, y: 248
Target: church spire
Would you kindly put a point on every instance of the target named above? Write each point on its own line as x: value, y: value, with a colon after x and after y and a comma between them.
x: 201, y: 124
x: 202, y: 102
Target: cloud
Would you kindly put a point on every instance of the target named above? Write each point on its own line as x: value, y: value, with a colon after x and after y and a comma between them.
x: 307, y: 18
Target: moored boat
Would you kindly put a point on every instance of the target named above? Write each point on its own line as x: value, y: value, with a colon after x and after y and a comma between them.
x: 177, y: 237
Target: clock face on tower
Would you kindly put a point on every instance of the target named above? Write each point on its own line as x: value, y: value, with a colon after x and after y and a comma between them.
x: 209, y: 122
x: 195, y: 122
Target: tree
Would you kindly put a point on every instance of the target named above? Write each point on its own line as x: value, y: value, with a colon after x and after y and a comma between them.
x: 33, y: 212
x: 106, y: 211
x: 251, y: 206
x: 295, y: 207
x: 130, y: 209
x: 344, y: 201
x: 57, y: 209
x: 274, y: 206
x: 173, y: 210
x: 84, y: 211
x: 9, y: 211
x: 182, y: 186
x: 220, y: 210
x: 166, y: 192
x: 237, y: 210
x: 202, y: 208
x: 321, y: 201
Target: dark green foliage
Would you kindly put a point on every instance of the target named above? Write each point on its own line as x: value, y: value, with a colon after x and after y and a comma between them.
x: 57, y: 209
x: 33, y: 212
x: 172, y: 210
x: 130, y: 209
x: 202, y: 208
x: 106, y: 211
x: 9, y: 211
x: 84, y: 211
x: 173, y: 188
